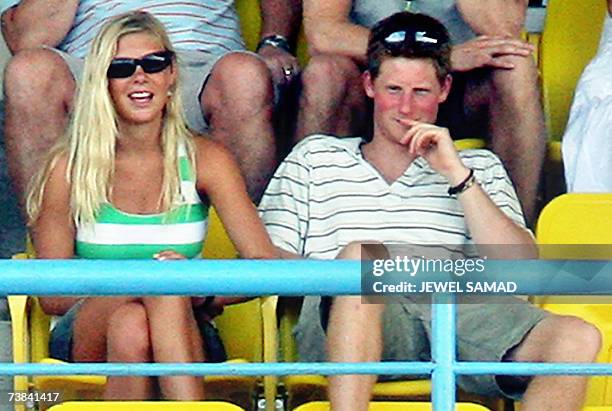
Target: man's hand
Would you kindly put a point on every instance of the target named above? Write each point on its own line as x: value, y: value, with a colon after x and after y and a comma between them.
x: 435, y: 145
x: 283, y: 65
x: 488, y: 51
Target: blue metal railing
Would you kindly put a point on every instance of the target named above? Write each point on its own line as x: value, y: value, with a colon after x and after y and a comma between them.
x: 206, y: 277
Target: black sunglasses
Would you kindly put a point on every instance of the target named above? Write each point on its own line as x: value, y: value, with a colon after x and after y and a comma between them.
x: 151, y: 63
x: 417, y: 39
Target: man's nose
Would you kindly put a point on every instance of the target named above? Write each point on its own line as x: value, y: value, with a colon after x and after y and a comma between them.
x: 405, y: 103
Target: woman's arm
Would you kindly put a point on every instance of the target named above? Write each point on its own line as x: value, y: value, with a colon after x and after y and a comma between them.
x: 53, y: 232
x: 219, y: 178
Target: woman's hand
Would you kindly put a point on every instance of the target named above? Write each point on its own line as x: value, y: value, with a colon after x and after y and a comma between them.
x: 169, y: 255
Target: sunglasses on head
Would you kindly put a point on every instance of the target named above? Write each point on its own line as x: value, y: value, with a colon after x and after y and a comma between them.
x: 421, y: 40
x: 151, y: 63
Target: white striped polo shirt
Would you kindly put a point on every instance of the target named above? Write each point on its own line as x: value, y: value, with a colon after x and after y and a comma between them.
x: 209, y: 26
x: 120, y: 235
x: 325, y: 195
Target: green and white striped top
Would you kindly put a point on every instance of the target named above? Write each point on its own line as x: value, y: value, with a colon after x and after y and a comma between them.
x: 120, y: 235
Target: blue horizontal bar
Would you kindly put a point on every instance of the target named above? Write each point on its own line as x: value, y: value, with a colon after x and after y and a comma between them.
x: 515, y: 368
x: 381, y: 368
x: 257, y: 277
x: 185, y: 277
x: 164, y: 369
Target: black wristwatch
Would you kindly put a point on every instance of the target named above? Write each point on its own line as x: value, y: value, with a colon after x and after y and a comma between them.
x: 275, y: 40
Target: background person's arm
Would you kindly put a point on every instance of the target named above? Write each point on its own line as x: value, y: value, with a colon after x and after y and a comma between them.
x: 329, y: 29
x: 34, y: 23
x: 280, y: 17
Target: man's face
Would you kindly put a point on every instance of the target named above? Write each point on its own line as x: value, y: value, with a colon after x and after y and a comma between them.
x: 405, y: 89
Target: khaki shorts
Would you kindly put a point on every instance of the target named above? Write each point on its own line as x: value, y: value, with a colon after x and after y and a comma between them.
x: 485, y: 332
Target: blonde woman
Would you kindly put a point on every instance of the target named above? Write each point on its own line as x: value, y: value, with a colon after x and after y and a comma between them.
x: 130, y: 181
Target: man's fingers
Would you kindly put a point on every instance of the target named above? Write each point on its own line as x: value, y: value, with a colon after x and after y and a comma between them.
x: 501, y: 63
x: 484, y: 41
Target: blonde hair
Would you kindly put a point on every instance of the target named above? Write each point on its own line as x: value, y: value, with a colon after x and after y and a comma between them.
x: 90, y: 140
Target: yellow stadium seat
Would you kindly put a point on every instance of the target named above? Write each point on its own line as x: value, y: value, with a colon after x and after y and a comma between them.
x: 579, y: 226
x: 146, y: 406
x: 392, y: 406
x: 569, y: 41
x: 241, y: 327
x: 469, y: 143
x: 21, y: 344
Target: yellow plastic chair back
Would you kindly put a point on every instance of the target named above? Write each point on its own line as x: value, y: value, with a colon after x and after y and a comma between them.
x: 584, y: 222
x: 569, y: 41
x: 146, y: 406
x: 20, y: 340
x: 392, y: 406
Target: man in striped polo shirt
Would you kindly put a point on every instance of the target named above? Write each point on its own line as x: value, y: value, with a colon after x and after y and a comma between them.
x: 236, y: 104
x: 408, y: 185
x: 495, y: 93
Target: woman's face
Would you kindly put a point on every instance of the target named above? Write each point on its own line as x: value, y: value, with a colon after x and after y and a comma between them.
x: 141, y: 97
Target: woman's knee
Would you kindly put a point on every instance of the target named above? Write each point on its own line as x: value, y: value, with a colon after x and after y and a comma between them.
x: 128, y: 337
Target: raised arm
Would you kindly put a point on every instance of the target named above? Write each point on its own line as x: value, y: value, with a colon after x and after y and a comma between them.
x: 34, y: 23
x: 219, y: 178
x: 486, y: 222
x: 330, y: 31
x: 53, y: 233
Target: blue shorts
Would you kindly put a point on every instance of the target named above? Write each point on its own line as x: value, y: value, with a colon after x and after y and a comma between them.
x: 60, y: 340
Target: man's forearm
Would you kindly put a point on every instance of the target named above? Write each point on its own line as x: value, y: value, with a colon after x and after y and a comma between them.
x: 344, y: 39
x: 494, y: 17
x: 34, y: 23
x: 281, y: 17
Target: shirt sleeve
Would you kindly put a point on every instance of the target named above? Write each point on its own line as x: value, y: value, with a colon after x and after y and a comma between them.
x: 284, y: 207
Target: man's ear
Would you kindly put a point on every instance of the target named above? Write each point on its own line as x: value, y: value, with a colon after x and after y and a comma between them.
x: 446, y: 87
x: 368, y: 83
